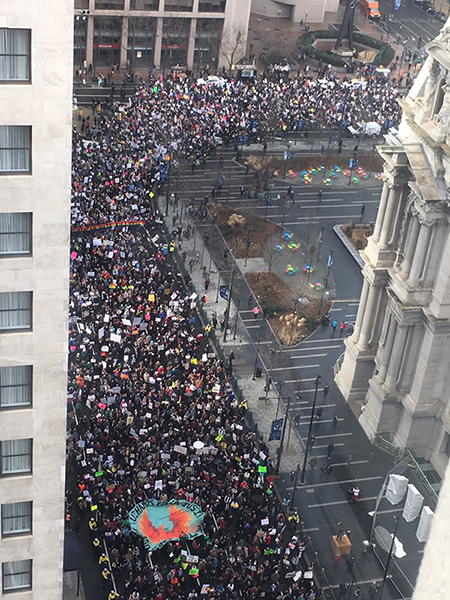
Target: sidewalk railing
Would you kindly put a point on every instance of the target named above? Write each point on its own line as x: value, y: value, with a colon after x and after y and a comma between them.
x: 389, y: 447
x: 400, y: 453
x: 414, y: 465
x: 338, y: 364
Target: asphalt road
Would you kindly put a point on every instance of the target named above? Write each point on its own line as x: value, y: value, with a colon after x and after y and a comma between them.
x: 410, y: 21
x: 322, y: 501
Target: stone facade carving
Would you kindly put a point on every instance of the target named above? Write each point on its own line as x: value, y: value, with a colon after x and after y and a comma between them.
x: 430, y: 88
x: 443, y: 117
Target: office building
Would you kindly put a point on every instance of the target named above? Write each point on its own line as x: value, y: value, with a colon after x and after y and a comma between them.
x: 160, y: 33
x: 36, y: 40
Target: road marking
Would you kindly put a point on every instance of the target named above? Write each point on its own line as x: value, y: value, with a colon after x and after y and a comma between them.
x: 336, y: 310
x: 316, y: 219
x: 366, y: 581
x: 303, y: 357
x: 340, y: 502
x: 318, y: 340
x: 296, y: 367
x: 355, y: 301
x: 314, y: 529
x: 312, y: 349
x: 328, y: 483
x: 340, y: 205
x: 334, y: 435
x: 298, y: 380
x: 326, y: 446
x: 253, y: 326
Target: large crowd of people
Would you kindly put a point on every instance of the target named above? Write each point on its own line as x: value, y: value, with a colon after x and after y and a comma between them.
x: 143, y: 380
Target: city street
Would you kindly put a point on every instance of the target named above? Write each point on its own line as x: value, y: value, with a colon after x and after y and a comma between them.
x: 411, y: 22
x: 322, y: 501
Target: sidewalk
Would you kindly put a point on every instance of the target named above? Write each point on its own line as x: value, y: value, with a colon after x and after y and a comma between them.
x: 264, y: 410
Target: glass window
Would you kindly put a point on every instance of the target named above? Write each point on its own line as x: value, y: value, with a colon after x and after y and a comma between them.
x: 212, y: 6
x: 179, y: 5
x: 15, y: 233
x: 15, y: 311
x: 16, y: 518
x: 141, y: 41
x: 109, y: 4
x: 175, y: 41
x: 208, y: 36
x: 16, y: 457
x: 107, y: 40
x: 16, y: 385
x: 16, y: 575
x: 15, y: 52
x: 15, y: 149
x: 144, y: 5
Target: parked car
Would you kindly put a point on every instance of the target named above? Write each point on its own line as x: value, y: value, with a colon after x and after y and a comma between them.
x: 212, y: 80
x: 440, y: 16
x: 371, y: 129
x: 427, y: 6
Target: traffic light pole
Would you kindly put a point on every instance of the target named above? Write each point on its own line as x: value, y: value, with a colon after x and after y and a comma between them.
x: 227, y: 311
x: 302, y: 479
x: 283, y: 433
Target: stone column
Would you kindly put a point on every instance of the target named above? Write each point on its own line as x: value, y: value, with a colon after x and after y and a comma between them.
x: 158, y: 42
x: 396, y: 357
x: 368, y: 318
x: 391, y: 209
x: 90, y: 41
x: 392, y: 330
x: 420, y: 254
x: 361, y: 311
x: 191, y: 44
x: 410, y: 246
x: 124, y: 43
x: 381, y: 212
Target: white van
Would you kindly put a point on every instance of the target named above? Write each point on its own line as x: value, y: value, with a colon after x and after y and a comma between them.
x: 371, y: 129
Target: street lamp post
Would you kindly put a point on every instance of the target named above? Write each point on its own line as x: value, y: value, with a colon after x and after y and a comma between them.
x: 247, y: 243
x: 269, y: 379
x: 283, y: 433
x: 302, y: 479
x: 236, y: 319
x: 294, y: 491
x: 388, y: 562
x: 320, y: 243
x: 278, y: 20
x: 227, y: 311
x: 256, y: 360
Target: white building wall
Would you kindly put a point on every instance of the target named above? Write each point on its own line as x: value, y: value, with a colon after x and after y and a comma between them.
x: 307, y: 11
x: 46, y: 105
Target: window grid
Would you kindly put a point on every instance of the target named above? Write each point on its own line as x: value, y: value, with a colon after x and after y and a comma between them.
x: 15, y: 311
x: 15, y: 149
x: 16, y: 457
x: 16, y: 387
x: 16, y: 575
x: 15, y: 55
x: 17, y: 519
x: 15, y: 234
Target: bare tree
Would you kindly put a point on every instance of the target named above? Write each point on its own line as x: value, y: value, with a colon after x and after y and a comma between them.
x: 233, y: 46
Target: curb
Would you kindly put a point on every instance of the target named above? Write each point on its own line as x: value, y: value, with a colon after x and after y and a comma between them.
x: 354, y: 253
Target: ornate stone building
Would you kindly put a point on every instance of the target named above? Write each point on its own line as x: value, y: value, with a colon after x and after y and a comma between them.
x: 397, y: 360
